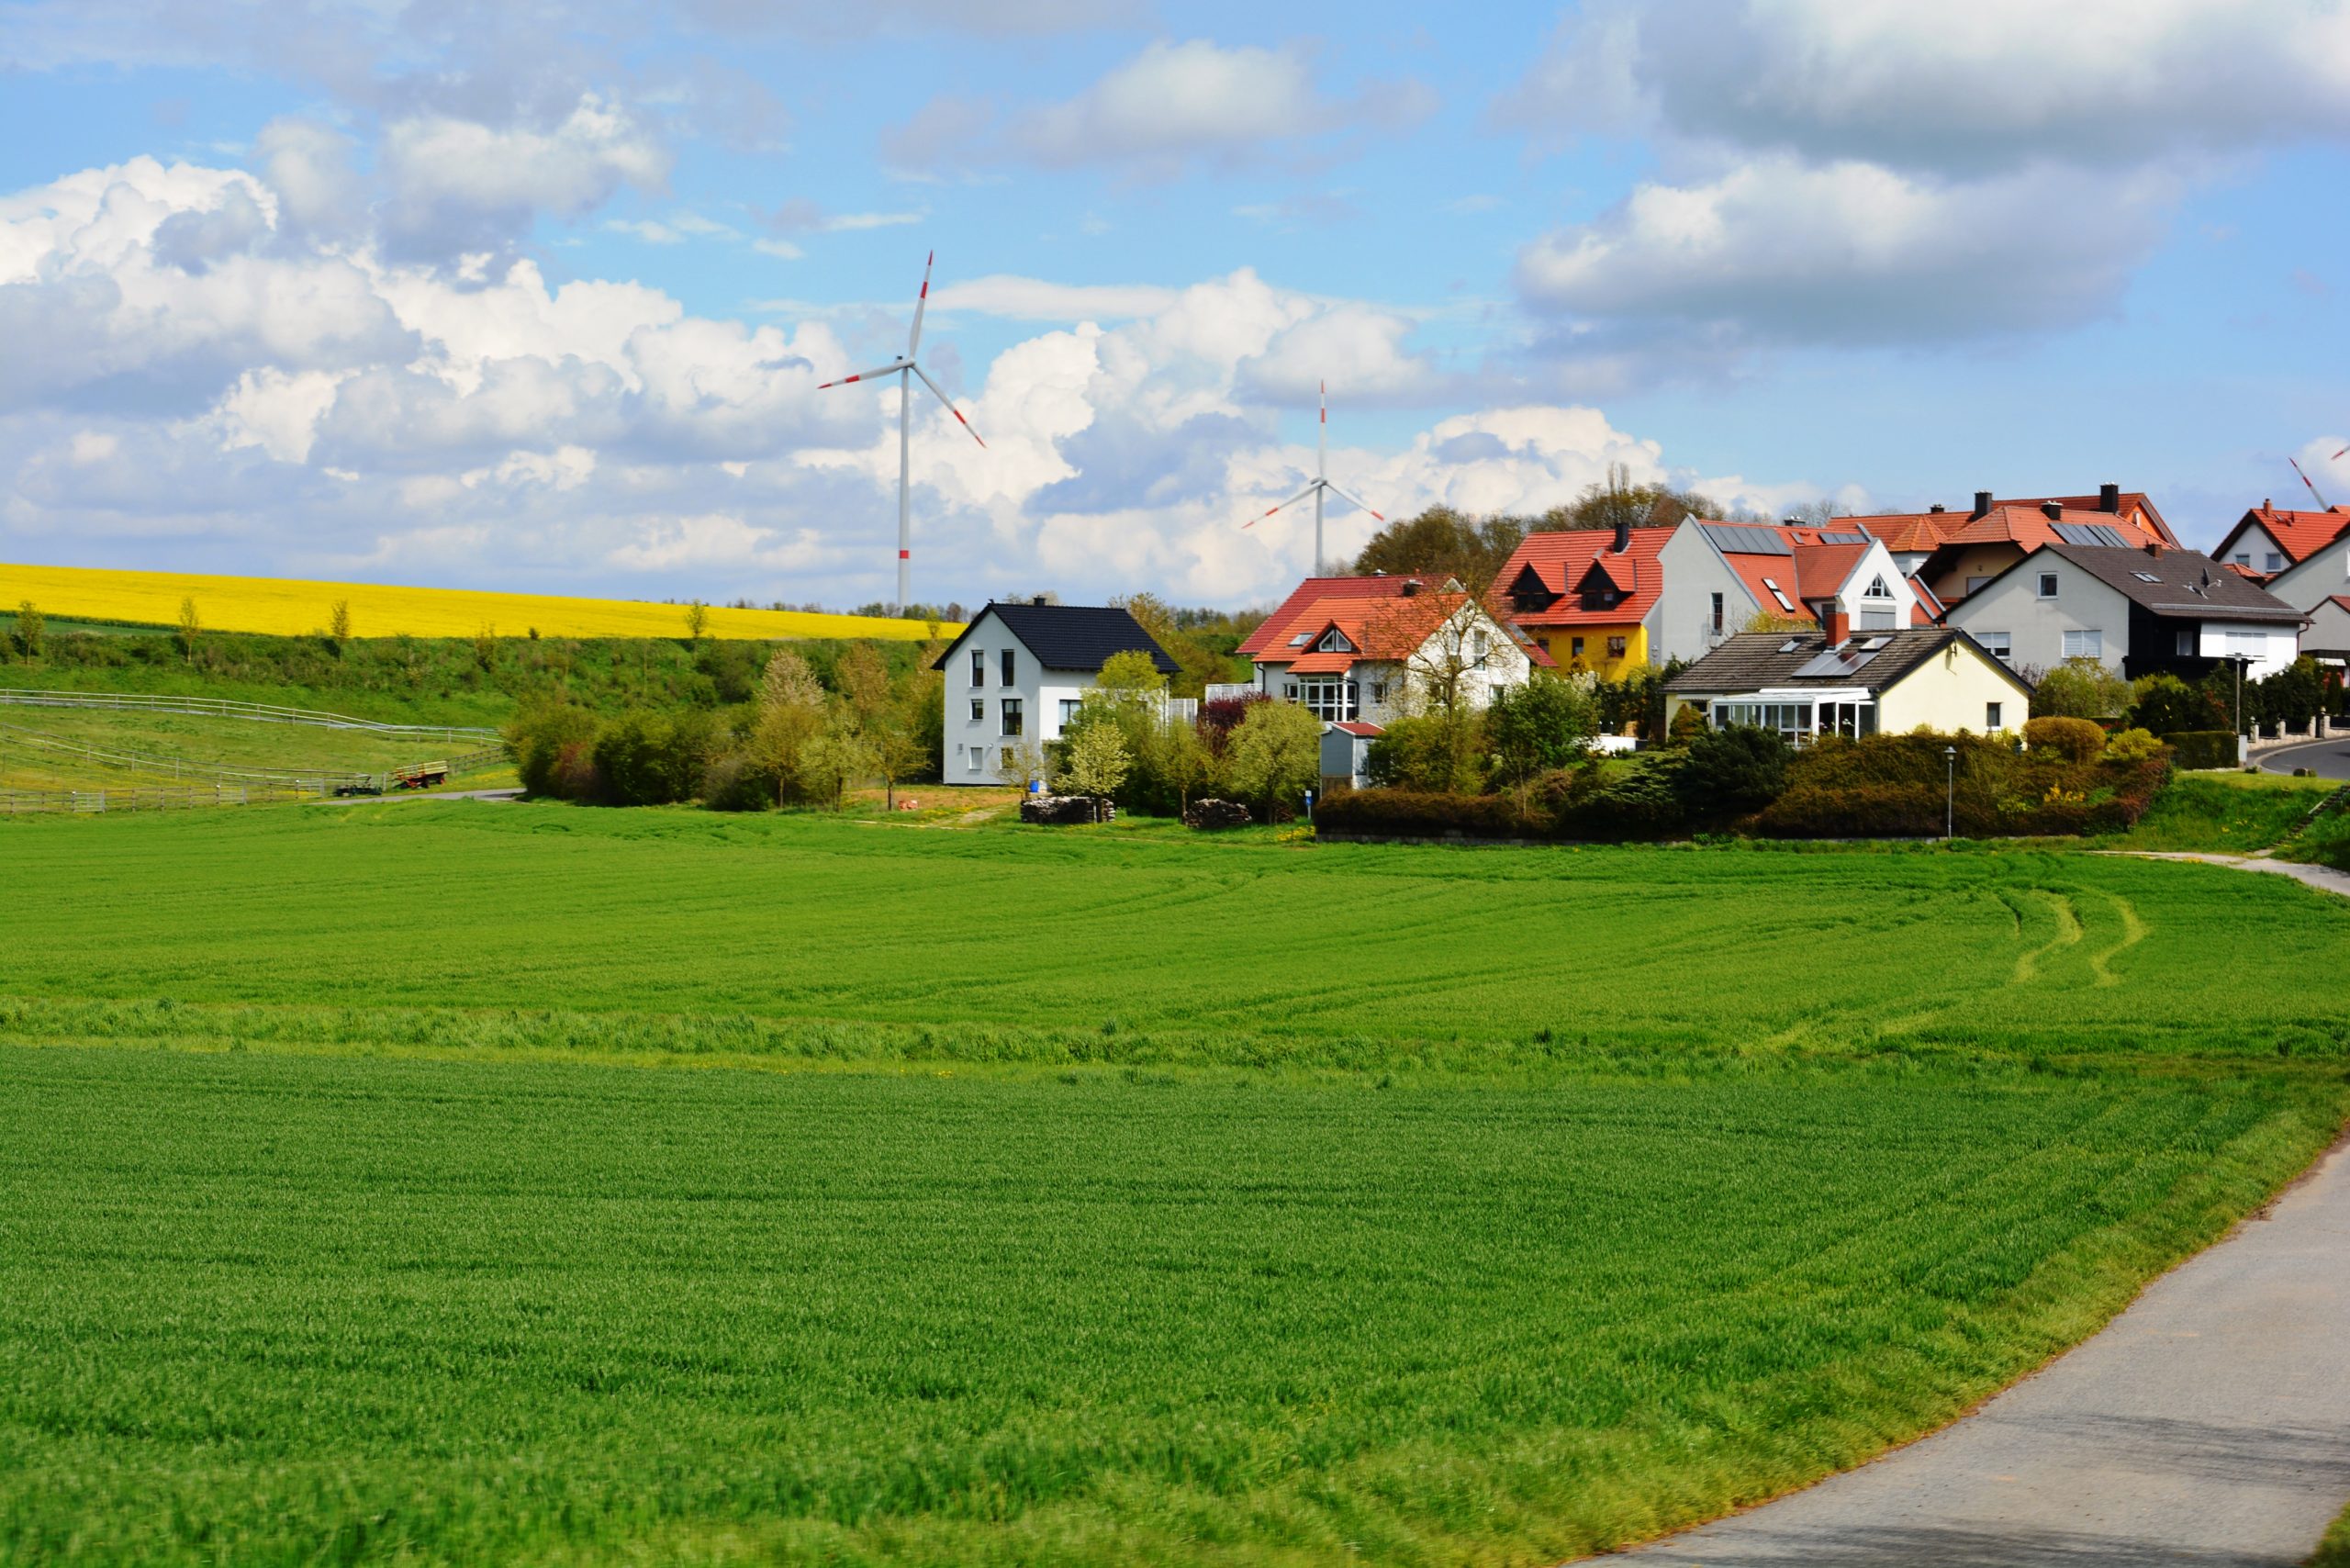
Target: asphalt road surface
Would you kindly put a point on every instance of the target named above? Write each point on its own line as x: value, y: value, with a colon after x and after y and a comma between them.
x: 2328, y: 758
x: 2208, y: 1424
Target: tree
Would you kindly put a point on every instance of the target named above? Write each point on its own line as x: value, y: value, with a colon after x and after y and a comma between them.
x: 1543, y: 724
x: 1198, y: 664
x: 864, y: 680
x: 791, y: 713
x: 1179, y: 760
x: 833, y: 757
x: 1441, y: 542
x: 2080, y: 689
x: 697, y: 621
x: 1731, y: 771
x: 1618, y: 502
x: 1021, y: 762
x: 189, y: 627
x: 787, y: 680
x: 897, y: 755
x: 32, y: 630
x: 1094, y: 761
x: 485, y: 647
x: 1274, y: 754
x: 339, y: 621
x: 1131, y: 679
x: 1438, y: 752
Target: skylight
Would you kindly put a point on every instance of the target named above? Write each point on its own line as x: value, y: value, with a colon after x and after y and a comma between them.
x: 1780, y: 594
x: 1301, y: 639
x: 2145, y: 577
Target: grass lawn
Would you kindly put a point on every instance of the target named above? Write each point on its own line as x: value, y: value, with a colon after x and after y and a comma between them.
x: 2224, y: 812
x: 1116, y: 1197
x: 2334, y: 1551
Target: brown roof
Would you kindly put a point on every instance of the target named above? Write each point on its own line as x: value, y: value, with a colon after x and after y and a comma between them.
x: 1872, y: 660
x: 2183, y: 583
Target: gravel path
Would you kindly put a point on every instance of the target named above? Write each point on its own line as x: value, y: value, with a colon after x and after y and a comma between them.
x: 2208, y: 1424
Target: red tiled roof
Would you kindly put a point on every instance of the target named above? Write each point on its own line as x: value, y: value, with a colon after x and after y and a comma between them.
x: 1929, y: 608
x: 1907, y: 531
x: 1820, y: 569
x: 2340, y: 600
x: 1277, y: 628
x: 1757, y: 573
x: 1563, y: 560
x: 2299, y: 534
x: 1356, y: 727
x: 1915, y: 530
x: 1388, y: 625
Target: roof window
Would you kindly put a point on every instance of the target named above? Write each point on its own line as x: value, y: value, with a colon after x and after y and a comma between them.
x: 1780, y: 594
x: 2145, y: 577
x: 1301, y: 639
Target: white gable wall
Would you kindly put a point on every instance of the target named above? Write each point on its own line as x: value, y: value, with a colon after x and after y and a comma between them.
x: 2317, y: 579
x: 2035, y: 627
x: 1681, y: 623
x: 975, y: 745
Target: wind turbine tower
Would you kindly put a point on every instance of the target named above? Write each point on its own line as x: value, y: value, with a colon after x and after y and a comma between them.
x: 1320, y: 484
x: 904, y: 368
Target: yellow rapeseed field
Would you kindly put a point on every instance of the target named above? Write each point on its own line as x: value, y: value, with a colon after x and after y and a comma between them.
x: 290, y: 606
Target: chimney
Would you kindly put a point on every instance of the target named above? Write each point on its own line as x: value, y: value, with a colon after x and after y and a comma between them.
x: 2154, y: 547
x: 2109, y: 497
x: 1935, y: 509
x: 1623, y: 536
x: 1038, y: 601
x: 1982, y: 505
x: 1835, y: 624
x: 1411, y: 588
x: 2052, y: 509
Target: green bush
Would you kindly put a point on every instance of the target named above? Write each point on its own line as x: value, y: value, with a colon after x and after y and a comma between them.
x: 1437, y: 753
x: 1908, y: 785
x: 1730, y: 772
x: 649, y: 760
x: 2080, y: 689
x: 538, y: 739
x: 1539, y: 726
x: 1607, y: 802
x: 2164, y: 704
x: 2196, y: 749
x: 1424, y: 813
x: 2078, y: 740
x: 2132, y: 745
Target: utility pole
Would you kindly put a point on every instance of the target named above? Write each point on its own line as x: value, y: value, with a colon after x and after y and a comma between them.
x: 1950, y: 793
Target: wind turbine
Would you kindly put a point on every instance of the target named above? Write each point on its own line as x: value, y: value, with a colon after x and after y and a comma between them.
x: 904, y: 368
x: 1320, y: 484
x: 2305, y: 479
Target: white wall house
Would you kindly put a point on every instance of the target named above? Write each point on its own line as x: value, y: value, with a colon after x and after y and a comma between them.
x: 1804, y: 686
x: 1720, y: 576
x: 1015, y: 676
x: 1378, y: 650
x: 2135, y: 612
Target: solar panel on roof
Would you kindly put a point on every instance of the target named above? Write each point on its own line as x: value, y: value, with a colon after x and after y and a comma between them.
x: 2098, y: 535
x: 1836, y: 662
x: 1738, y: 539
x: 1844, y: 539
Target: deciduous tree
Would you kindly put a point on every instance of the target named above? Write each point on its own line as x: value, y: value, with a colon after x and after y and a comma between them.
x: 1274, y: 754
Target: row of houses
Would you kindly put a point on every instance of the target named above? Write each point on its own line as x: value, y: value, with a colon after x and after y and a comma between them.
x: 1865, y: 623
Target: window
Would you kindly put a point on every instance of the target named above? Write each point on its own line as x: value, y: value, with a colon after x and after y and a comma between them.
x: 979, y: 667
x: 1877, y: 620
x: 2244, y: 557
x: 1329, y: 699
x: 1991, y: 719
x: 978, y: 759
x: 2085, y: 644
x: 1792, y: 720
x: 1780, y: 594
x: 1578, y: 648
x: 2247, y: 644
x: 2048, y: 585
x: 1335, y: 642
x: 1069, y: 705
x: 1851, y: 720
x: 1478, y: 647
x: 1975, y: 583
x: 1878, y: 591
x: 1009, y: 677
x: 2184, y: 646
x: 1288, y: 689
x: 1379, y: 694
x: 1009, y: 762
x: 2145, y: 577
x: 1718, y: 614
x: 1301, y: 639
x: 1998, y: 645
x: 1614, y: 647
x: 1010, y: 713
x: 979, y: 710
x: 2276, y: 561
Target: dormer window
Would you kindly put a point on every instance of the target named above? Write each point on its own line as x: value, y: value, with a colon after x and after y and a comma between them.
x: 1334, y: 642
x: 1878, y: 591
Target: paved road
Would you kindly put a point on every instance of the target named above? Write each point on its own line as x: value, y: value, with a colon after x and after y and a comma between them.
x: 424, y: 795
x: 2210, y: 1424
x: 2328, y: 758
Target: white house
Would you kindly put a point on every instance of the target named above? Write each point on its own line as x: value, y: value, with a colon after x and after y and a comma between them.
x: 1717, y: 577
x: 1376, y: 648
x: 2136, y: 612
x: 1016, y: 675
x: 1805, y: 684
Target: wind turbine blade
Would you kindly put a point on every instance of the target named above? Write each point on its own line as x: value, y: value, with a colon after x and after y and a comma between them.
x: 922, y: 302
x: 1290, y: 503
x: 943, y: 397
x: 2313, y: 490
x: 867, y: 375
x: 1344, y: 496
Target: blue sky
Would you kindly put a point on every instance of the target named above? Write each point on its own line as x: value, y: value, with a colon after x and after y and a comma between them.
x: 539, y: 297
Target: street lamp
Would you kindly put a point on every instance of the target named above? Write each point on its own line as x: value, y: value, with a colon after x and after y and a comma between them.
x: 1950, y: 791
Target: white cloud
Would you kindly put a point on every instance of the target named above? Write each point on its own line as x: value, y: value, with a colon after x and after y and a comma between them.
x: 455, y: 182
x: 1169, y: 105
x: 1954, y: 88
x: 782, y: 250
x: 1852, y: 252
x: 646, y: 230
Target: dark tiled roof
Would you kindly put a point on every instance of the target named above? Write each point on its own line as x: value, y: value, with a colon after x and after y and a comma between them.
x: 2188, y: 583
x: 1753, y: 660
x: 1071, y: 636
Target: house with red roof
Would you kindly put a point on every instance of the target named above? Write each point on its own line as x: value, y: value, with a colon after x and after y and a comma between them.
x: 1721, y: 579
x: 2266, y: 542
x: 1955, y: 552
x: 1369, y: 649
x: 1586, y: 596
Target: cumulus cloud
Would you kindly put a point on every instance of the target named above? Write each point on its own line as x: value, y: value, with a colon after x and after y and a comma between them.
x: 1849, y: 172
x: 455, y: 182
x: 1040, y: 299
x: 1852, y: 252
x: 1169, y: 105
x: 1956, y: 89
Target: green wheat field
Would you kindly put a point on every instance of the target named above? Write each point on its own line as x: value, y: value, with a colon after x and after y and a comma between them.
x: 425, y: 1183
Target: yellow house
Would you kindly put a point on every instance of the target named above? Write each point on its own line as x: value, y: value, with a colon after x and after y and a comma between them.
x: 1802, y: 684
x: 1608, y: 651
x: 1587, y: 596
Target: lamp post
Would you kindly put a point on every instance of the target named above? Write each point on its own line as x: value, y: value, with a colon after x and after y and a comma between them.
x: 1949, y: 792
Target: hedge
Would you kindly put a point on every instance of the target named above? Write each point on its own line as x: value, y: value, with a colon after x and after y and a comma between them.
x: 1421, y: 813
x: 2203, y: 749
